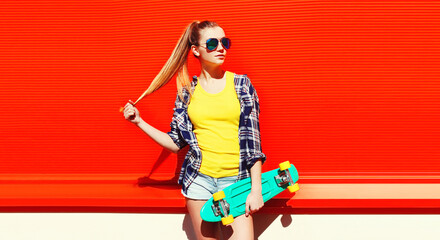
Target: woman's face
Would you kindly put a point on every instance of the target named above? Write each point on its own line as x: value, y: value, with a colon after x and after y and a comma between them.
x: 212, y: 57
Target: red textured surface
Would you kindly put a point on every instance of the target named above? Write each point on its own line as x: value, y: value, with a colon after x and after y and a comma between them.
x: 346, y: 88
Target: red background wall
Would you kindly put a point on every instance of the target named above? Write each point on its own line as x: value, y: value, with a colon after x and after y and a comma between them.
x: 346, y: 88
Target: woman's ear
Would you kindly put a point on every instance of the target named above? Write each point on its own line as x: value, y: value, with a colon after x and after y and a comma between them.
x: 195, y: 51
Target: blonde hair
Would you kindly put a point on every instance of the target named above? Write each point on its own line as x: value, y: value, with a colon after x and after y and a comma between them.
x: 178, y: 60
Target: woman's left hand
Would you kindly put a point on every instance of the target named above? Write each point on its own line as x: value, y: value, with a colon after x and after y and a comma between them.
x: 254, y: 202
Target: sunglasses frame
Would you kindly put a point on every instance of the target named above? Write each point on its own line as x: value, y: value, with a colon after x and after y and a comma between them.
x: 217, y: 40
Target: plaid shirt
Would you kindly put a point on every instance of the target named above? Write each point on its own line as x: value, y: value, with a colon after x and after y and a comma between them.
x: 248, y: 130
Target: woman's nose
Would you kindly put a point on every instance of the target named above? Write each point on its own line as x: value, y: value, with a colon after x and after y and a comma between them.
x: 220, y: 47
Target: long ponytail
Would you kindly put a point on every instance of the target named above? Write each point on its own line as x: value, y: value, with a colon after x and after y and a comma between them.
x: 178, y: 61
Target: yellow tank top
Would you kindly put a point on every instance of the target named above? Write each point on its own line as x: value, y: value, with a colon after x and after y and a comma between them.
x: 215, y: 119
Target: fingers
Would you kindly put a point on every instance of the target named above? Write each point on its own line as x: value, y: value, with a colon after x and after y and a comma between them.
x: 129, y: 105
x: 247, y: 209
x: 129, y: 110
x: 255, y: 209
x: 251, y: 209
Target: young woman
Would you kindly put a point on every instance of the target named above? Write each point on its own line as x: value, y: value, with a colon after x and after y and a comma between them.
x: 217, y: 114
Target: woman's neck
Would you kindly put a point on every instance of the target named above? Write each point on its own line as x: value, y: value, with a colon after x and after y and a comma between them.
x: 211, y: 74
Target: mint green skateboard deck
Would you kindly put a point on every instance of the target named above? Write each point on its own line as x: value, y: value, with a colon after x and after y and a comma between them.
x: 231, y: 202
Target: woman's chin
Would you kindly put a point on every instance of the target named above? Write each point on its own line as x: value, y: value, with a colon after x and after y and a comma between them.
x: 216, y: 63
x: 220, y: 60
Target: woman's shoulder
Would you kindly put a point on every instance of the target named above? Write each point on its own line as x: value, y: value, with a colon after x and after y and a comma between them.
x: 243, y: 80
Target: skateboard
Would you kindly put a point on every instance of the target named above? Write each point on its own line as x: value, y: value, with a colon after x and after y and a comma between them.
x: 231, y: 202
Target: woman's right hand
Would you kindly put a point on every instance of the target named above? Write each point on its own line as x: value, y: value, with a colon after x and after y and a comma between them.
x: 131, y: 113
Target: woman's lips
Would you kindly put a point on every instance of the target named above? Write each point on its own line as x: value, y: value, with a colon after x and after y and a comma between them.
x: 220, y: 56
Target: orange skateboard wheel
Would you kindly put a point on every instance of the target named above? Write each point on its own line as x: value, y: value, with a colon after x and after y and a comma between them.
x: 284, y: 165
x: 293, y: 188
x: 228, y: 220
x: 218, y: 195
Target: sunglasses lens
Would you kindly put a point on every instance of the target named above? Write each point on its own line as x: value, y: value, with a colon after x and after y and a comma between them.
x: 226, y: 42
x: 212, y: 43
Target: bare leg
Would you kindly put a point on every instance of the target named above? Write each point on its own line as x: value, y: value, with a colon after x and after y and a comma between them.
x: 241, y: 228
x: 202, y: 229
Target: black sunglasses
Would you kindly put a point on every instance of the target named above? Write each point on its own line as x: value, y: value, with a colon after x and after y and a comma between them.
x: 212, y: 43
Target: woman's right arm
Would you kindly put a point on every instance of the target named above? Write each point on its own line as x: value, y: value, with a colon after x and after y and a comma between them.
x: 160, y: 137
x: 131, y: 113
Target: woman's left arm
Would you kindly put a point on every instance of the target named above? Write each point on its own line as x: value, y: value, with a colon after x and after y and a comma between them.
x: 254, y: 201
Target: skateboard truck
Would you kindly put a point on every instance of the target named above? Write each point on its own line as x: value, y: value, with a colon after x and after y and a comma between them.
x: 284, y: 177
x: 221, y: 208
